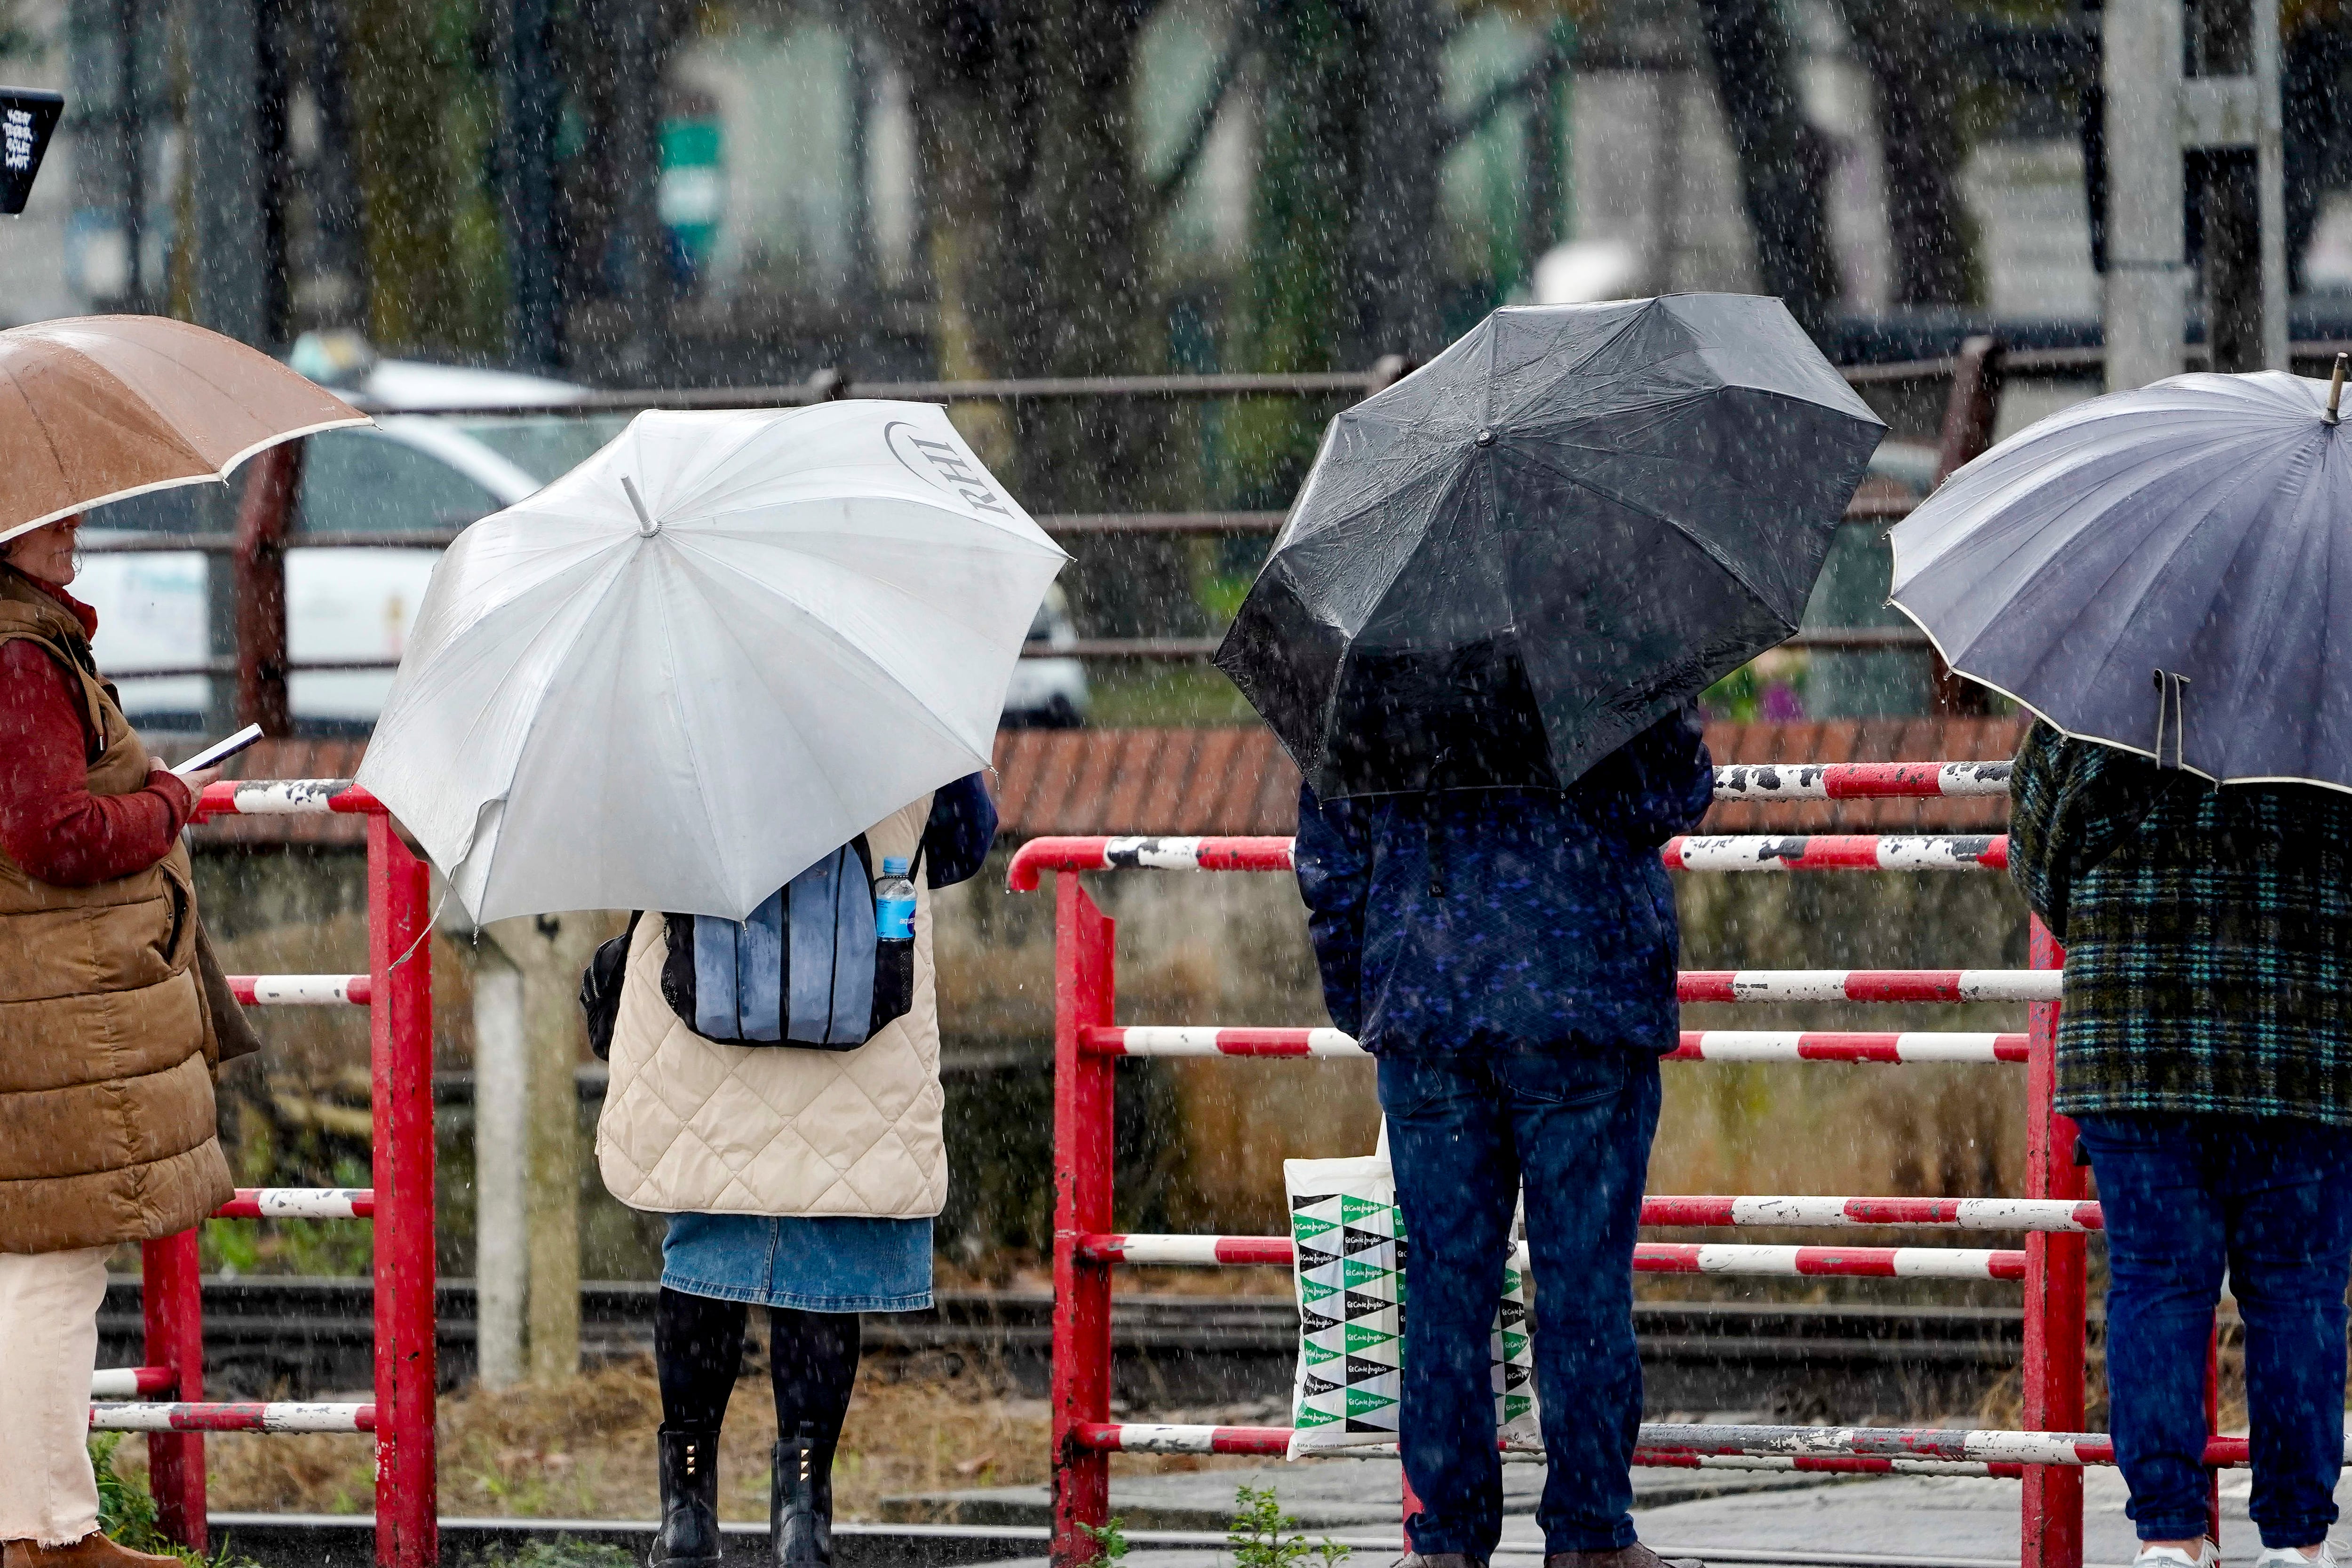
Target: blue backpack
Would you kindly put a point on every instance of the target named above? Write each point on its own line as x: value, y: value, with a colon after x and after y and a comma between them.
x: 808, y: 969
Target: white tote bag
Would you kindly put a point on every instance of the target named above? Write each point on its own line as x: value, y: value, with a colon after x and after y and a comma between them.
x: 1349, y: 1244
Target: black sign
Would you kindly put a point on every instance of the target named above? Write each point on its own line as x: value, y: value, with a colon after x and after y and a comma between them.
x: 29, y: 116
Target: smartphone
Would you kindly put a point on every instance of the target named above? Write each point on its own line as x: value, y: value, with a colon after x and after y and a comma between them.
x: 219, y: 751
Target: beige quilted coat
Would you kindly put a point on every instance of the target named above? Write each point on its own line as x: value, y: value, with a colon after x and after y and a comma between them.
x: 693, y: 1126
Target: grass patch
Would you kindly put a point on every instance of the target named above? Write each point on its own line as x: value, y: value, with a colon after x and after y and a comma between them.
x: 1136, y: 694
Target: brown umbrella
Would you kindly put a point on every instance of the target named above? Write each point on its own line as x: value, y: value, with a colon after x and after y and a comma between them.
x: 98, y: 408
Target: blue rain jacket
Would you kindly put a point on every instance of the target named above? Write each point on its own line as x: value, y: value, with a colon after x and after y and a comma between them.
x: 1487, y: 919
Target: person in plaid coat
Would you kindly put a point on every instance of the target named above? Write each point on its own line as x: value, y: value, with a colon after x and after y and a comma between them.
x: 2203, y: 1050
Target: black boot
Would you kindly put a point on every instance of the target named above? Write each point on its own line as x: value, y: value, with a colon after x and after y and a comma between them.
x: 800, y: 1503
x: 689, y: 1501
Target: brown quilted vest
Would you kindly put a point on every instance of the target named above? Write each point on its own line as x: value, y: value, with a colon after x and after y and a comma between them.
x: 107, y: 1045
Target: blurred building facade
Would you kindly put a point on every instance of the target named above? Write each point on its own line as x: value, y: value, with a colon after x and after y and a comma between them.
x: 753, y: 188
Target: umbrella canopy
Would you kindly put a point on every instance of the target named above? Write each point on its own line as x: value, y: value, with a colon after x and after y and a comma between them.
x: 1523, y: 555
x: 2200, y: 527
x: 711, y: 654
x: 100, y: 409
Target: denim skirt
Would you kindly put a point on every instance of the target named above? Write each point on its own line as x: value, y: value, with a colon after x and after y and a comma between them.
x: 831, y: 1263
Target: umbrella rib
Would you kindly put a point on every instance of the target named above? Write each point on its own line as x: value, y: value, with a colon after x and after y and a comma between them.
x: 699, y: 517
x: 694, y: 756
x: 1705, y: 545
x: 2239, y: 478
x: 34, y: 410
x: 538, y: 708
x: 132, y: 390
x: 833, y: 636
x: 1600, y: 346
x: 1930, y: 511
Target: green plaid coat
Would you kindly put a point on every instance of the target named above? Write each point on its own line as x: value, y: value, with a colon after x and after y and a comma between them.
x: 2208, y: 934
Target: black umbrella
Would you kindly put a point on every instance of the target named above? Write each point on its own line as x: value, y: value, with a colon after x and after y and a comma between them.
x: 1525, y: 554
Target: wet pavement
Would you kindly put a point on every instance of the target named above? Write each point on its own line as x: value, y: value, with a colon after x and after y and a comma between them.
x: 1899, y: 1521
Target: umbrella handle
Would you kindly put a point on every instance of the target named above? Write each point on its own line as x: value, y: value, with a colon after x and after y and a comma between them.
x: 2171, y: 700
x: 2335, y: 386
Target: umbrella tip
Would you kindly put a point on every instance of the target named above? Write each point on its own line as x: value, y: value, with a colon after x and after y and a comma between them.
x: 2335, y: 386
x: 646, y: 526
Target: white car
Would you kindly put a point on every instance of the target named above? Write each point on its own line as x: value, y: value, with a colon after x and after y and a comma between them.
x: 1048, y: 693
x: 414, y: 472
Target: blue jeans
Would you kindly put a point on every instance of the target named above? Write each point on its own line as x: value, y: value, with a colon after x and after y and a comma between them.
x: 1462, y: 1133
x: 2272, y: 1198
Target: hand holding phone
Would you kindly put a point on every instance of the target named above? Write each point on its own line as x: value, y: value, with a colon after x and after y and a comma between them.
x: 213, y: 755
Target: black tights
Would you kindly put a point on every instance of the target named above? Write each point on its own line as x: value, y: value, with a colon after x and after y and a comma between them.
x: 698, y: 1350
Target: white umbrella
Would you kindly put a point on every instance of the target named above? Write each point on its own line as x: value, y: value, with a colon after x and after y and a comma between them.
x: 717, y: 650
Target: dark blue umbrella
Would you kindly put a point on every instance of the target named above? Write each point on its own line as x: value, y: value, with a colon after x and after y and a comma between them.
x: 1566, y: 525
x: 2168, y: 570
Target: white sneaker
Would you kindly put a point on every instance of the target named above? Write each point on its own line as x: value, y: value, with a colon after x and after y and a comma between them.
x: 2288, y: 1557
x: 2209, y: 1555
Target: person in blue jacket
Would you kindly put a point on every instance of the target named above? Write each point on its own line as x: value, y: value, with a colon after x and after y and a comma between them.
x: 1508, y: 955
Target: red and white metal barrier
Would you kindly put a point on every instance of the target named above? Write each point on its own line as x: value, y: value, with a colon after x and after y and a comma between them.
x: 1697, y: 1044
x: 303, y: 990
x: 1944, y: 1214
x: 1844, y: 1045
x: 298, y: 1202
x: 1867, y: 985
x: 1679, y: 1445
x: 1649, y: 1257
x: 1861, y: 781
x: 1734, y: 852
x: 2052, y: 1213
x: 1835, y: 852
x: 397, y: 990
x: 133, y: 1381
x: 277, y: 1416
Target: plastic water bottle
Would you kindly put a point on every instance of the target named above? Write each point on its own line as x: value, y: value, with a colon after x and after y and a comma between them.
x: 894, y: 903
x: 894, y: 954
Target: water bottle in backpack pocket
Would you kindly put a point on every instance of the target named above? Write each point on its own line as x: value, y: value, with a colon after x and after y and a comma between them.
x: 894, y: 948
x: 820, y: 964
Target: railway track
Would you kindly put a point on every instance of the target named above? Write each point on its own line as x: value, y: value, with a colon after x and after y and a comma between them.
x: 311, y: 1337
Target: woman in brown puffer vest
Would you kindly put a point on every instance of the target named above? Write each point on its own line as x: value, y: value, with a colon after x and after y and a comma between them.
x: 111, y: 1030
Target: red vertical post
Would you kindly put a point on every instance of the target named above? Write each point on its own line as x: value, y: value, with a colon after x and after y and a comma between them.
x: 1085, y: 984
x: 2051, y: 1529
x: 2213, y: 1424
x: 400, y: 962
x: 264, y: 519
x: 171, y: 1300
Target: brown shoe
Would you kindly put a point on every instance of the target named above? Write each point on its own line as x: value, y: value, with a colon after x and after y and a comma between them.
x: 1437, y: 1559
x: 92, y: 1551
x: 1634, y: 1556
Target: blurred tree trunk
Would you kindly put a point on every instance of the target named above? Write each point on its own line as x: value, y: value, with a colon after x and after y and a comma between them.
x: 1784, y: 161
x: 337, y: 287
x: 1024, y: 115
x: 1344, y: 263
x: 1301, y: 306
x: 1396, y: 222
x: 398, y: 87
x: 1918, y: 126
x: 616, y: 287
x: 237, y: 131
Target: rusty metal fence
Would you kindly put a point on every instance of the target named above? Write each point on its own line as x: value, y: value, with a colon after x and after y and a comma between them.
x: 1972, y: 382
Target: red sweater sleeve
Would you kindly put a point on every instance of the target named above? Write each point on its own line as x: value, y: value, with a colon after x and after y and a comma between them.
x: 50, y: 824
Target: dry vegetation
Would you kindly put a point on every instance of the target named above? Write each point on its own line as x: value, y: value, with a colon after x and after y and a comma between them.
x: 585, y: 1449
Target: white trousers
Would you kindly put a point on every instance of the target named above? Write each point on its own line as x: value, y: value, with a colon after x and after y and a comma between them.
x: 48, y: 1346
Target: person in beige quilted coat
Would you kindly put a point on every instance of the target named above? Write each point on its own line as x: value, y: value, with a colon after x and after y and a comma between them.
x: 802, y: 1180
